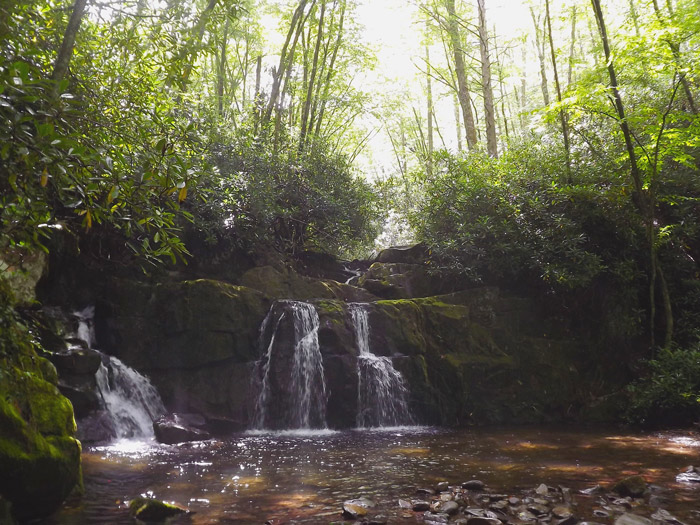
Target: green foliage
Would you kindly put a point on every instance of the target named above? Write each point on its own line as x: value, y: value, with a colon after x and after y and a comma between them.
x: 669, y: 394
x: 513, y: 221
x: 293, y: 201
x: 113, y: 158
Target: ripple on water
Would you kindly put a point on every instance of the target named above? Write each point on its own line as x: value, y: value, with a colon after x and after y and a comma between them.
x: 305, y: 475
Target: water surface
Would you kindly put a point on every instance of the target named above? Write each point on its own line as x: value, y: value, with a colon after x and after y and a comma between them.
x: 303, y: 477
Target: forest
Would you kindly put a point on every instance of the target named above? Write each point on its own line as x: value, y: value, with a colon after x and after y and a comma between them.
x: 554, y: 155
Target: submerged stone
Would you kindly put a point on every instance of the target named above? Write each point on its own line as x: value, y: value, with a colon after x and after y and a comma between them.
x: 633, y: 486
x: 173, y: 428
x: 151, y: 510
x: 632, y: 519
x: 473, y: 484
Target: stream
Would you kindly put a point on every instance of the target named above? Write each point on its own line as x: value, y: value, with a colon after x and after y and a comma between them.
x: 304, y: 476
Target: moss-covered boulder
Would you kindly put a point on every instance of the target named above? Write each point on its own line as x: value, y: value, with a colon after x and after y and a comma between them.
x: 194, y: 339
x: 278, y: 284
x: 39, y: 456
x: 154, y: 511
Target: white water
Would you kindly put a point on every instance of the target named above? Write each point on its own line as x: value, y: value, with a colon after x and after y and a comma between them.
x: 307, y: 375
x: 303, y: 392
x: 129, y: 398
x: 382, y: 394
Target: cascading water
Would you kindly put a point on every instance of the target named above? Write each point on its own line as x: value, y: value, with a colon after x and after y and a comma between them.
x: 129, y: 399
x: 292, y: 388
x: 382, y: 393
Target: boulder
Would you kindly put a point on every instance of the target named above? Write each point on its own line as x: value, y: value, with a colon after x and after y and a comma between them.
x: 410, y: 254
x: 39, y: 455
x: 154, y: 511
x: 633, y: 486
x: 176, y: 428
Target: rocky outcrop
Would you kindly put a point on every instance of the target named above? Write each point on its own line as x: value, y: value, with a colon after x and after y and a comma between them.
x: 39, y: 456
x: 194, y: 339
x: 178, y: 428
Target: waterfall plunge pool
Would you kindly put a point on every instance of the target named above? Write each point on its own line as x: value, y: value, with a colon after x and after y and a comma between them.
x: 304, y: 476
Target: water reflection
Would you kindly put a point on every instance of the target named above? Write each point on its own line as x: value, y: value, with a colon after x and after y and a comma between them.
x: 305, y: 476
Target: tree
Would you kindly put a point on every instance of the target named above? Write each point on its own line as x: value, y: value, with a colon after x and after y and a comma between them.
x: 489, y: 111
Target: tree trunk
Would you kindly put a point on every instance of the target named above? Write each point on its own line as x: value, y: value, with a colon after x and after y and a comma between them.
x: 572, y: 48
x: 635, y: 17
x: 489, y: 112
x: 198, y: 31
x: 221, y: 71
x: 429, y: 93
x: 460, y: 69
x: 540, y: 45
x: 280, y: 71
x: 60, y: 67
x: 331, y: 72
x: 312, y: 79
x: 641, y: 200
x: 458, y: 123
x: 562, y: 114
x: 676, y: 52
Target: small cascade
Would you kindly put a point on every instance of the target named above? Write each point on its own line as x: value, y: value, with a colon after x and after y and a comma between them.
x: 129, y: 400
x: 382, y: 393
x: 290, y: 375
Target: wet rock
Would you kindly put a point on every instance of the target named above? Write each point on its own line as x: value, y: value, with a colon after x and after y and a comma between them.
x: 632, y: 519
x: 542, y: 490
x: 443, y: 486
x: 633, y: 486
x: 590, y: 523
x: 353, y: 511
x: 593, y: 490
x: 378, y: 520
x: 425, y: 492
x: 432, y: 517
x: 96, y: 427
x: 484, y: 521
x: 538, y: 510
x: 420, y: 505
x: 690, y: 475
x: 499, y: 506
x: 473, y: 484
x: 565, y: 494
x: 514, y: 501
x: 151, y: 510
x: 526, y: 515
x: 623, y: 502
x: 562, y: 512
x: 405, y: 504
x: 449, y: 507
x: 173, y: 428
x: 571, y: 520
x: 601, y: 513
x: 666, y: 517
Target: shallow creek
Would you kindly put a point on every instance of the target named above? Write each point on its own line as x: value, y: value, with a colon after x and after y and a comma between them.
x: 304, y: 477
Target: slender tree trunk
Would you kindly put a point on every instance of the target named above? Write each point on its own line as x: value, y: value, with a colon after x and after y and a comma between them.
x: 257, y: 98
x: 676, y: 52
x: 458, y: 123
x: 221, y: 71
x: 644, y: 203
x: 562, y: 113
x: 489, y: 111
x: 540, y: 45
x: 460, y: 69
x: 523, y: 87
x: 194, y: 44
x: 312, y: 78
x: 429, y: 92
x: 60, y: 67
x: 331, y: 71
x: 572, y: 47
x: 635, y: 17
x: 280, y: 71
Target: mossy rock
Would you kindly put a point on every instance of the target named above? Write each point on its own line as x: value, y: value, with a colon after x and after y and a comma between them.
x: 154, y: 511
x: 632, y: 486
x: 277, y: 284
x: 39, y: 457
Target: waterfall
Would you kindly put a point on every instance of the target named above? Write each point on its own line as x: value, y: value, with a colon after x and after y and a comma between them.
x: 381, y: 391
x: 128, y: 398
x: 292, y: 388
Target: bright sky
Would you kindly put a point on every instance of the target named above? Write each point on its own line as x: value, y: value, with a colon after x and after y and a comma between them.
x: 391, y: 29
